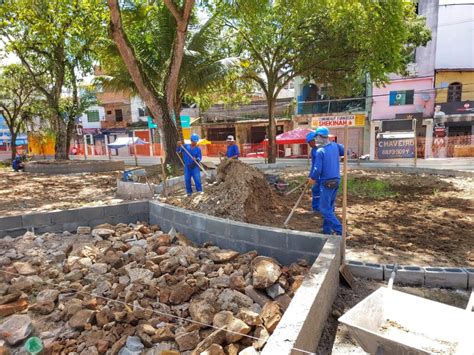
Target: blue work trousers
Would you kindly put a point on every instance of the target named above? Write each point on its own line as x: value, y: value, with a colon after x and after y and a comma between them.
x: 196, y: 175
x: 316, y: 192
x: 327, y: 203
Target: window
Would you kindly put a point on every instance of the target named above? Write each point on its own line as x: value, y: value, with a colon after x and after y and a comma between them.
x: 93, y: 116
x: 141, y: 112
x: 109, y: 112
x: 454, y: 92
x: 118, y: 115
x: 401, y: 97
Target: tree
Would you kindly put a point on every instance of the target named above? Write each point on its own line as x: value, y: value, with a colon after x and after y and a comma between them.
x: 17, y: 96
x: 329, y: 41
x: 54, y: 40
x: 161, y: 101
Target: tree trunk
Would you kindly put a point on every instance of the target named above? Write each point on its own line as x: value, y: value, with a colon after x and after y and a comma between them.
x: 272, y: 148
x: 170, y: 138
x: 13, y: 144
x: 60, y: 147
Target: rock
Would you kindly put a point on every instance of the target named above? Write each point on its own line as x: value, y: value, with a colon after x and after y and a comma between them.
x: 102, y: 232
x: 118, y: 345
x: 232, y: 349
x: 102, y: 346
x: 4, y: 350
x: 74, y: 275
x: 48, y: 295
x: 139, y: 274
x: 256, y: 295
x: 298, y: 280
x: 249, y: 351
x: 43, y: 307
x: 237, y: 281
x: 181, y: 292
x: 11, y: 297
x: 262, y: 334
x: 5, y: 260
x: 162, y: 334
x: 83, y: 230
x: 271, y: 315
x: 143, y: 332
x: 99, y: 268
x: 220, y: 282
x: 202, y: 311
x: 249, y: 317
x: 283, y: 301
x: 214, y: 349
x: 222, y: 319
x: 16, y: 328
x: 216, y: 337
x: 124, y: 280
x: 188, y: 340
x: 163, y: 240
x: 265, y: 272
x: 103, y: 317
x: 25, y: 269
x: 275, y: 290
x: 169, y: 265
x: 134, y: 344
x: 222, y: 256
x: 81, y: 318
x: 236, y: 326
x: 13, y: 307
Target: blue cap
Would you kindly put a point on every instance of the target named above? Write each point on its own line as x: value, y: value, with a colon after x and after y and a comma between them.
x: 194, y: 138
x: 322, y: 131
x: 310, y: 136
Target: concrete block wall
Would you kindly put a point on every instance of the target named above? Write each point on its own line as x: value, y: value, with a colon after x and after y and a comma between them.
x: 284, y: 245
x: 69, y: 220
x: 303, y: 322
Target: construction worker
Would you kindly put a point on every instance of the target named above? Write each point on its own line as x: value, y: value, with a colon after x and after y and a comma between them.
x: 315, y: 190
x: 326, y: 171
x: 191, y: 157
x: 232, y: 149
x: 17, y: 164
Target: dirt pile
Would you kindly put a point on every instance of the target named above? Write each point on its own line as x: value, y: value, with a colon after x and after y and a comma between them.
x: 132, y: 289
x: 242, y: 193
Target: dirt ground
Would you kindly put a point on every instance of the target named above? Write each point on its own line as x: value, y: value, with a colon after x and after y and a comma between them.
x: 337, y: 340
x: 392, y: 217
x: 22, y: 193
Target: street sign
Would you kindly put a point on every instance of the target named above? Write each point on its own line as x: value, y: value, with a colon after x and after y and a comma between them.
x: 393, y: 148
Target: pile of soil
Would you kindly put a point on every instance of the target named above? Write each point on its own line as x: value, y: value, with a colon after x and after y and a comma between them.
x: 242, y: 194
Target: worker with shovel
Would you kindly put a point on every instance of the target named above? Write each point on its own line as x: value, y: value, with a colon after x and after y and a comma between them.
x: 325, y: 169
x: 191, y: 157
x: 315, y: 190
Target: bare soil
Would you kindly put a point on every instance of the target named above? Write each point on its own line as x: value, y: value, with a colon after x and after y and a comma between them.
x: 22, y: 193
x: 337, y: 340
x: 416, y: 219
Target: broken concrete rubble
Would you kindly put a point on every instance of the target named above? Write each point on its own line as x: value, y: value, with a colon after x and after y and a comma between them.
x: 132, y: 289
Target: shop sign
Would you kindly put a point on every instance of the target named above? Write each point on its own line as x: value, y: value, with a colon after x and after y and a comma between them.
x: 457, y: 108
x: 338, y: 121
x: 392, y: 148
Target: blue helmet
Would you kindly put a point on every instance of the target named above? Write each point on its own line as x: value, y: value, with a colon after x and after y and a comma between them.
x: 194, y: 138
x: 322, y: 131
x: 310, y: 136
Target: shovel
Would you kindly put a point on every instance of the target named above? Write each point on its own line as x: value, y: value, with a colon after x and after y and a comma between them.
x: 296, y: 205
x: 209, y: 178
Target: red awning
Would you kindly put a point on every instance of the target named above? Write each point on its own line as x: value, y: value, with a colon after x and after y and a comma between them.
x: 296, y: 136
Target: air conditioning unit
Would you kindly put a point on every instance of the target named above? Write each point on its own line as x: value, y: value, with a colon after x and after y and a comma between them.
x: 412, y: 69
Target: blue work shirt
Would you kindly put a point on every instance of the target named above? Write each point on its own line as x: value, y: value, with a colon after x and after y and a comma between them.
x: 195, y: 152
x: 325, y: 162
x: 232, y: 151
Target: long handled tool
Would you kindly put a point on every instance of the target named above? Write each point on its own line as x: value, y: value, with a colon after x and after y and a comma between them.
x: 210, y: 179
x: 296, y: 205
x: 296, y: 188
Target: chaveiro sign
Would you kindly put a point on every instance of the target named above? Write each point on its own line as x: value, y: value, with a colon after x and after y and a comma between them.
x: 393, y: 148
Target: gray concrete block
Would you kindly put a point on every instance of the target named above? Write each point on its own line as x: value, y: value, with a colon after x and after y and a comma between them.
x: 116, y: 210
x: 470, y: 277
x: 87, y: 213
x: 225, y: 243
x: 12, y: 232
x: 167, y: 212
x: 181, y: 217
x: 272, y: 237
x: 110, y: 219
x: 197, y: 221
x: 366, y: 270
x: 305, y: 242
x: 155, y: 208
x: 406, y: 275
x: 36, y: 219
x: 446, y: 277
x: 218, y: 226
x: 244, y: 232
x: 70, y: 227
x: 11, y: 222
x: 138, y: 207
x: 63, y: 217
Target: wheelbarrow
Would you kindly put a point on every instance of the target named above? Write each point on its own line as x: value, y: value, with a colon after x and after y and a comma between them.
x: 394, y: 322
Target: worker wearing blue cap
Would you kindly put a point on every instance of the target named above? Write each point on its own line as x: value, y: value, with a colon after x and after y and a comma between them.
x: 326, y: 171
x: 315, y: 190
x: 191, y: 157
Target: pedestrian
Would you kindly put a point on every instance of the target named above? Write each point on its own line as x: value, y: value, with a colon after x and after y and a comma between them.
x: 315, y: 190
x: 326, y: 171
x: 191, y: 160
x: 232, y: 149
x: 17, y: 164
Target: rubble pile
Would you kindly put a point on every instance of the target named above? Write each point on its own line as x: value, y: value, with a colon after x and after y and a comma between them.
x: 132, y: 289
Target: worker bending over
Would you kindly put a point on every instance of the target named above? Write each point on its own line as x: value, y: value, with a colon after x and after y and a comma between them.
x: 315, y: 190
x: 191, y: 157
x: 232, y: 149
x: 325, y: 169
x: 17, y: 164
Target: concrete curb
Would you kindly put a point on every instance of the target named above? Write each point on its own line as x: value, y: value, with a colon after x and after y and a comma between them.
x: 446, y: 277
x: 83, y: 166
x: 413, y: 170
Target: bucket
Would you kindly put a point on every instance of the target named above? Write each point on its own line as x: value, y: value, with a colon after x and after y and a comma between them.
x: 34, y: 345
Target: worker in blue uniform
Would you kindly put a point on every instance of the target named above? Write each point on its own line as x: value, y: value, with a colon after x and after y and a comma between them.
x: 326, y: 171
x: 232, y: 149
x: 315, y: 190
x: 191, y: 160
x: 17, y: 164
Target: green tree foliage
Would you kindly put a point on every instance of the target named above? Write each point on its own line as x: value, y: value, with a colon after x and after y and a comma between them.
x: 17, y: 100
x: 329, y: 41
x: 56, y: 42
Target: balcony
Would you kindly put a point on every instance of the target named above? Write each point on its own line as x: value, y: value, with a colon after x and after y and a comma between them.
x: 331, y: 106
